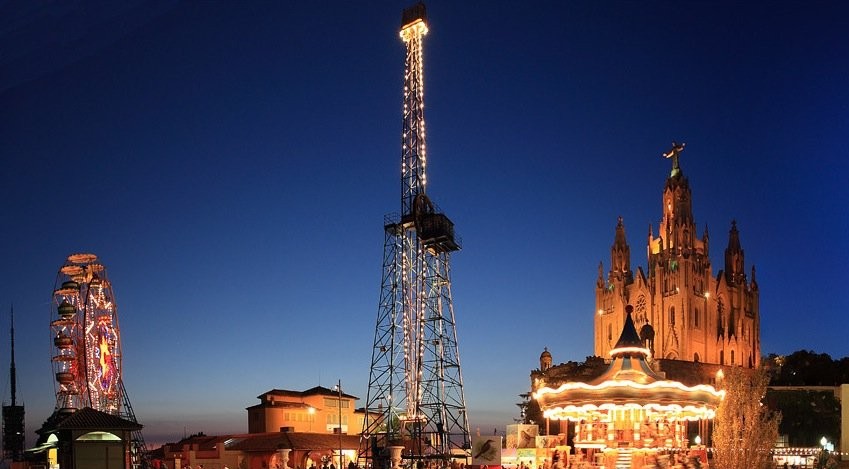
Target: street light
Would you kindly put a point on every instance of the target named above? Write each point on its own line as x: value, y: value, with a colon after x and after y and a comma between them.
x: 824, y: 444
x: 339, y: 389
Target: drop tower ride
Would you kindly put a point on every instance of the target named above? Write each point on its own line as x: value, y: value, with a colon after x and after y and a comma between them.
x: 415, y: 395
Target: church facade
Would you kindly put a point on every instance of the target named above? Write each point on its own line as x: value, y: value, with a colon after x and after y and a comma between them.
x: 681, y: 309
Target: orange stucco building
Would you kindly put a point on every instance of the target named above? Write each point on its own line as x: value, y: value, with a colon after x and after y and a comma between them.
x: 316, y: 410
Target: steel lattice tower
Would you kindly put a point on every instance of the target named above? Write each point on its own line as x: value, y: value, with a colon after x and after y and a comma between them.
x: 415, y: 396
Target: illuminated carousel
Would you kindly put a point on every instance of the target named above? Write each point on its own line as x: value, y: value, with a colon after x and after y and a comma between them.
x: 629, y: 413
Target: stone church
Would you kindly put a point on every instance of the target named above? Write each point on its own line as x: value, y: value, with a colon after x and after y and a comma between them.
x: 683, y: 311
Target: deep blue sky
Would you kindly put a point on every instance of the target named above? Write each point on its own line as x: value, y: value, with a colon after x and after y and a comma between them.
x: 231, y: 164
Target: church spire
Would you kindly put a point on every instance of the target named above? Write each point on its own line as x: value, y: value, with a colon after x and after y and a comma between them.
x: 734, y: 257
x: 620, y: 255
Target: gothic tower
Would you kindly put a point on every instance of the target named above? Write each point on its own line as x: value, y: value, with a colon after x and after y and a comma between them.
x: 683, y: 311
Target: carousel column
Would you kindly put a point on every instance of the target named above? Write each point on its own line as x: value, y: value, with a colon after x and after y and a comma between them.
x: 636, y: 419
x: 679, y: 440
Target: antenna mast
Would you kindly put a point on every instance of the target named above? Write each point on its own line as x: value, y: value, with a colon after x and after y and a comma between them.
x: 415, y: 396
x: 12, y: 373
x: 13, y: 415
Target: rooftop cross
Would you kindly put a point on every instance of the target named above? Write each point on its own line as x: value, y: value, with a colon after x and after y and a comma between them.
x: 675, y: 153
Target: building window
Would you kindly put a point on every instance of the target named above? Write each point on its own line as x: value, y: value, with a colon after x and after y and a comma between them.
x: 609, y: 332
x: 732, y: 357
x: 331, y: 403
x: 672, y: 315
x: 722, y: 357
x: 333, y: 419
x: 696, y: 357
x: 696, y: 318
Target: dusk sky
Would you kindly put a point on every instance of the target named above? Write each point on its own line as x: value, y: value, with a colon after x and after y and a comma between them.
x: 231, y: 164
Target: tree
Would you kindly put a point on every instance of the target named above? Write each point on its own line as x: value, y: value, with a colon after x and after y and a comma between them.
x: 806, y: 416
x: 745, y: 430
x: 807, y: 368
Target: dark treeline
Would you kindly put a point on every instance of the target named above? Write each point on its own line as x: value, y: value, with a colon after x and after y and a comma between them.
x: 807, y: 415
x: 808, y: 368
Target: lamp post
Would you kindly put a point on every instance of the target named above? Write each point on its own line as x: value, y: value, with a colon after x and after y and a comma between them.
x: 339, y: 389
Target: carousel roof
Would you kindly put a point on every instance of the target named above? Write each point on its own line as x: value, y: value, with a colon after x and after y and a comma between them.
x: 628, y: 383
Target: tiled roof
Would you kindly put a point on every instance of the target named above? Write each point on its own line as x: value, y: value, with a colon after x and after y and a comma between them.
x: 290, y: 440
x: 280, y: 404
x: 255, y: 442
x: 203, y: 442
x: 91, y: 419
x: 317, y: 390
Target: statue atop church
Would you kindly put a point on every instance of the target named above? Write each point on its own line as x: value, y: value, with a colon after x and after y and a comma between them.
x: 675, y: 153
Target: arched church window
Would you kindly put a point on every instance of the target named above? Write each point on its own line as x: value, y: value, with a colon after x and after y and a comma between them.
x: 732, y: 357
x: 696, y: 317
x: 672, y: 315
x: 641, y: 308
x: 722, y: 357
x: 696, y: 357
x: 609, y: 332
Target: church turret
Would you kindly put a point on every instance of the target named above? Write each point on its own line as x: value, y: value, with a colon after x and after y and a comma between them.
x: 599, y: 282
x: 734, y: 274
x: 620, y: 256
x: 545, y: 359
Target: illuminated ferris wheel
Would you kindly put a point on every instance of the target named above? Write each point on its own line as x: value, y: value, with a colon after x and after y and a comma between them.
x: 86, y: 338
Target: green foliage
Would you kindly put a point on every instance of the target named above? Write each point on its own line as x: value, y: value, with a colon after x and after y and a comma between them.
x: 808, y: 368
x: 745, y: 430
x: 806, y: 416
